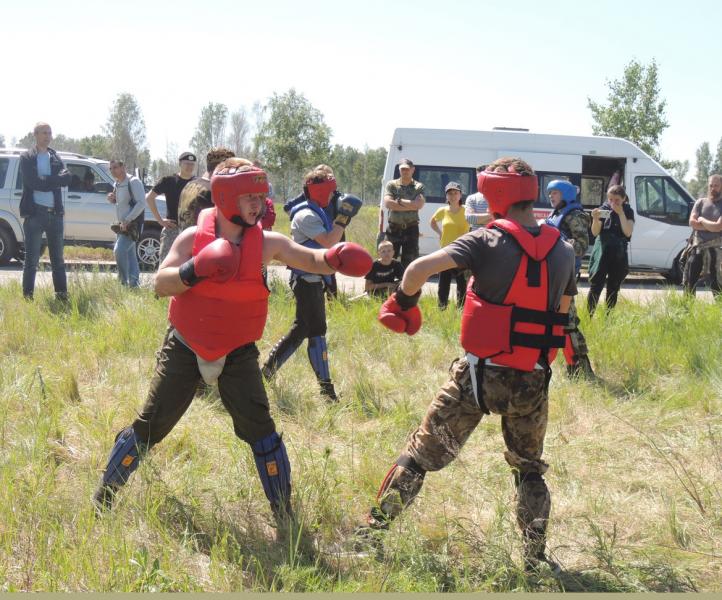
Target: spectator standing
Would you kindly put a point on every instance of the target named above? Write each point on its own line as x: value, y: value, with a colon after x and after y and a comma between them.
x: 453, y: 225
x: 404, y: 198
x: 128, y: 195
x: 171, y: 187
x: 42, y: 210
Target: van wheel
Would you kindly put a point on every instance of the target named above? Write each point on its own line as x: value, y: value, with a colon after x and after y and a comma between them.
x: 148, y: 249
x: 8, y: 246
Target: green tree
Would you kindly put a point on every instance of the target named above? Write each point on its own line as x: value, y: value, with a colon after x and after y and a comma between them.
x: 126, y: 129
x: 634, y: 109
x: 210, y: 131
x: 717, y: 164
x: 703, y: 156
x: 238, y: 134
x: 96, y: 145
x: 26, y: 141
x: 292, y: 137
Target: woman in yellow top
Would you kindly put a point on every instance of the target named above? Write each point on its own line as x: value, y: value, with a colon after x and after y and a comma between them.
x: 453, y: 225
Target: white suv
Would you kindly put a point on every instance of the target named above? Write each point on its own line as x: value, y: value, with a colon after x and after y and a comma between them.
x: 88, y: 214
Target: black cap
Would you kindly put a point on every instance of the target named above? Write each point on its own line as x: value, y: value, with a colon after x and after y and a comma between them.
x: 188, y: 156
x: 406, y: 162
x: 453, y: 185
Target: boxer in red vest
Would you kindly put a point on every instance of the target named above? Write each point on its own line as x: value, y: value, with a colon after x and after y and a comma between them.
x: 218, y: 309
x: 512, y: 323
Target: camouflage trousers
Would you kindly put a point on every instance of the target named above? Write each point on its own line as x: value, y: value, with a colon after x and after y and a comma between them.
x: 576, y: 345
x: 521, y: 400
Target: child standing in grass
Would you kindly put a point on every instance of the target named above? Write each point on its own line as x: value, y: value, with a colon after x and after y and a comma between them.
x: 385, y: 273
x: 453, y: 225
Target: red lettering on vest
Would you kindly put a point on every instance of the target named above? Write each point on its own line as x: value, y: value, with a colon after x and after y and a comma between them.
x: 515, y: 332
x: 216, y: 318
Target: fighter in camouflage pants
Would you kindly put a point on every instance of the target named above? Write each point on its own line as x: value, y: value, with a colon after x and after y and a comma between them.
x: 521, y: 399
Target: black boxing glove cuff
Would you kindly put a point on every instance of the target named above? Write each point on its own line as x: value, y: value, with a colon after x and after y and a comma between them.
x: 405, y: 301
x: 187, y: 273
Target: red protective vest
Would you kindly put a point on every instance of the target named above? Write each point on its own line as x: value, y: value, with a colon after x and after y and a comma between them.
x: 515, y: 332
x: 215, y: 318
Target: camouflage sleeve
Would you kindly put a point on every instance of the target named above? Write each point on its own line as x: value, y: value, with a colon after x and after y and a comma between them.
x: 392, y: 190
x: 577, y: 231
x: 420, y: 189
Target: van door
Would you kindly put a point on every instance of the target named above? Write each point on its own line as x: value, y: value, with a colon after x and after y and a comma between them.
x: 661, y: 225
x: 88, y: 214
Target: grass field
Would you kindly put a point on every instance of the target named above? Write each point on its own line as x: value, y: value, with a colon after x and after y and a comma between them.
x: 636, y: 462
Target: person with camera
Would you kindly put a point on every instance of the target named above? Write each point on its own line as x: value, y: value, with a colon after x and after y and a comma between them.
x: 612, y: 224
x: 128, y: 195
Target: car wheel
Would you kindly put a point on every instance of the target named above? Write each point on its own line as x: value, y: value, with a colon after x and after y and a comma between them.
x: 148, y: 249
x: 8, y: 246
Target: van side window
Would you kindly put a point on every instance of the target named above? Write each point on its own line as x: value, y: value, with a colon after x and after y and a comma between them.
x: 661, y: 199
x: 4, y: 164
x: 436, y: 178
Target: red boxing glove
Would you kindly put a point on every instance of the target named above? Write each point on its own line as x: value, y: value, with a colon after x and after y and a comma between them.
x: 398, y: 319
x: 218, y: 262
x: 349, y: 259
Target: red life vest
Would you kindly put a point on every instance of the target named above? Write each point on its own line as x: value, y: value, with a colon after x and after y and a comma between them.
x: 516, y: 332
x: 216, y: 318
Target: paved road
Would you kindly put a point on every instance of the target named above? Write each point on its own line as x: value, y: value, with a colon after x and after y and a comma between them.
x: 638, y: 287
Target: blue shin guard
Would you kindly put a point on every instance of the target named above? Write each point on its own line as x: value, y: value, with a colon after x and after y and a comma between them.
x: 274, y: 469
x: 124, y: 458
x: 318, y: 355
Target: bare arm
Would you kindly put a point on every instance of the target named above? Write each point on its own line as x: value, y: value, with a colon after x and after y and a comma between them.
x: 708, y: 225
x: 279, y: 247
x: 422, y: 268
x: 150, y: 201
x: 404, y: 205
x: 596, y: 222
x: 168, y: 281
x: 564, y: 304
x: 435, y: 226
x: 330, y: 238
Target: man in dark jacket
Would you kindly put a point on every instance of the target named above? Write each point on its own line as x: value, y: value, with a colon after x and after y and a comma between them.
x: 41, y: 208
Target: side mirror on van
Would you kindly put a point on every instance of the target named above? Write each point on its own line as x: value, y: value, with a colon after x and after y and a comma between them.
x: 102, y: 188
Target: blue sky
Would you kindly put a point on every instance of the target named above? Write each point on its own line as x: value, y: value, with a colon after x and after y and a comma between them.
x: 368, y: 66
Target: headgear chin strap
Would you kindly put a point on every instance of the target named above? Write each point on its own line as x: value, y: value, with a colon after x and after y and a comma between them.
x: 501, y: 190
x: 231, y: 182
x: 320, y: 192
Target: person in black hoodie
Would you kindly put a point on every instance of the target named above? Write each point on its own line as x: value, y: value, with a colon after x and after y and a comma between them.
x: 41, y: 208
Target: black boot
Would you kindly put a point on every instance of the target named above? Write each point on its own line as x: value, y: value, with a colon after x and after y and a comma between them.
x: 103, y: 497
x: 328, y: 390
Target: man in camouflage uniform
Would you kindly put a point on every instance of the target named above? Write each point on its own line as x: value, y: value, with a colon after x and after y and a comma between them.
x: 404, y: 198
x: 705, y: 254
x: 573, y: 224
x: 490, y: 380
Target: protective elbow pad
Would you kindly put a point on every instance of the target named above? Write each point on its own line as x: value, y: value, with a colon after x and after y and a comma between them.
x: 124, y: 458
x: 274, y: 468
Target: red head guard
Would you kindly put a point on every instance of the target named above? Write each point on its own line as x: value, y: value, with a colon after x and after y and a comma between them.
x: 231, y: 182
x: 501, y: 190
x: 320, y: 192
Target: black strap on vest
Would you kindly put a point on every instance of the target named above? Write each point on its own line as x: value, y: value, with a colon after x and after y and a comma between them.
x: 538, y: 317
